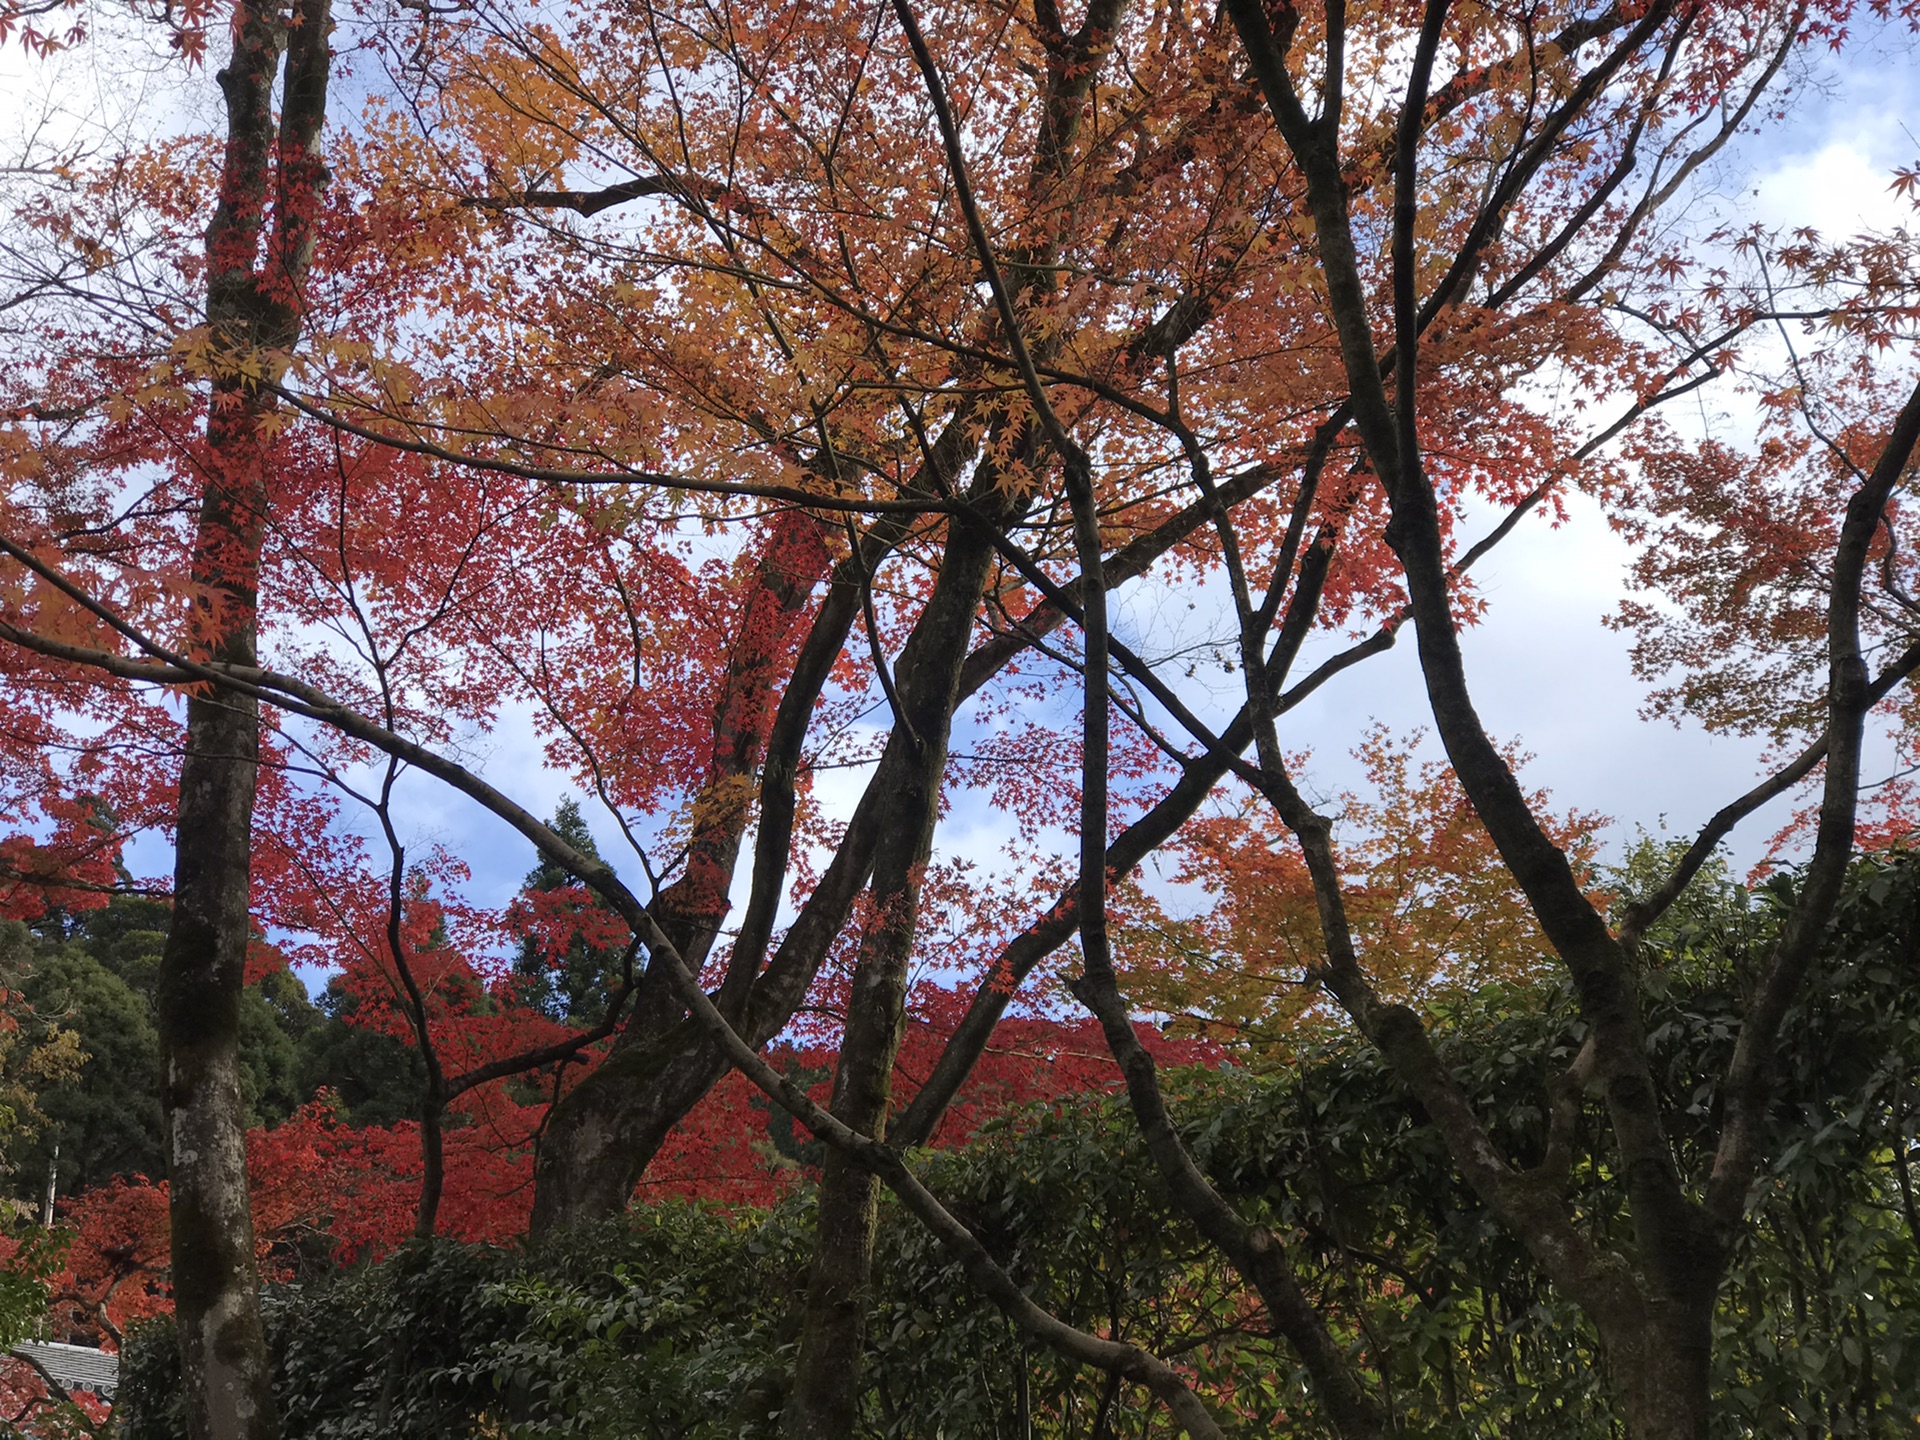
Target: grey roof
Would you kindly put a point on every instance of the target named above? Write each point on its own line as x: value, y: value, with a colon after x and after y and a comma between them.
x: 77, y: 1367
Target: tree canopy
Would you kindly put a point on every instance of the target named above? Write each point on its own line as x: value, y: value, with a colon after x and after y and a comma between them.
x: 782, y: 424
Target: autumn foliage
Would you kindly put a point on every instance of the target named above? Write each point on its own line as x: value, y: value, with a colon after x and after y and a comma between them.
x: 909, y: 468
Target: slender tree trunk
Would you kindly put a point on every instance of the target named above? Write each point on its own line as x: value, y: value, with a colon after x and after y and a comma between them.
x: 823, y: 1404
x: 223, y: 1348
x: 826, y: 1389
x: 251, y: 306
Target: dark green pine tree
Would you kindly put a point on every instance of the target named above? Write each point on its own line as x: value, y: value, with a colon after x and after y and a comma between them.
x: 569, y: 967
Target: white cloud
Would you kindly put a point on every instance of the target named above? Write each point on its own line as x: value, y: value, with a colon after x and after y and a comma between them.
x: 1844, y: 188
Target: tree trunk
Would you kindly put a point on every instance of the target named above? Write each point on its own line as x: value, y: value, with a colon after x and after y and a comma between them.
x: 826, y: 1389
x: 1662, y: 1370
x: 252, y: 305
x: 223, y: 1348
x: 604, y: 1132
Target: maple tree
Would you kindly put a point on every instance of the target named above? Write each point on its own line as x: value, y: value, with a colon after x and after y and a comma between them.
x: 1429, y: 903
x: 1656, y: 1317
x: 749, y: 402
x: 250, y: 272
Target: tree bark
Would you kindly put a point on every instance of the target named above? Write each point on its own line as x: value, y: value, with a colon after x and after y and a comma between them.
x: 1661, y: 1367
x: 222, y: 1345
x: 252, y: 306
x: 823, y: 1402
